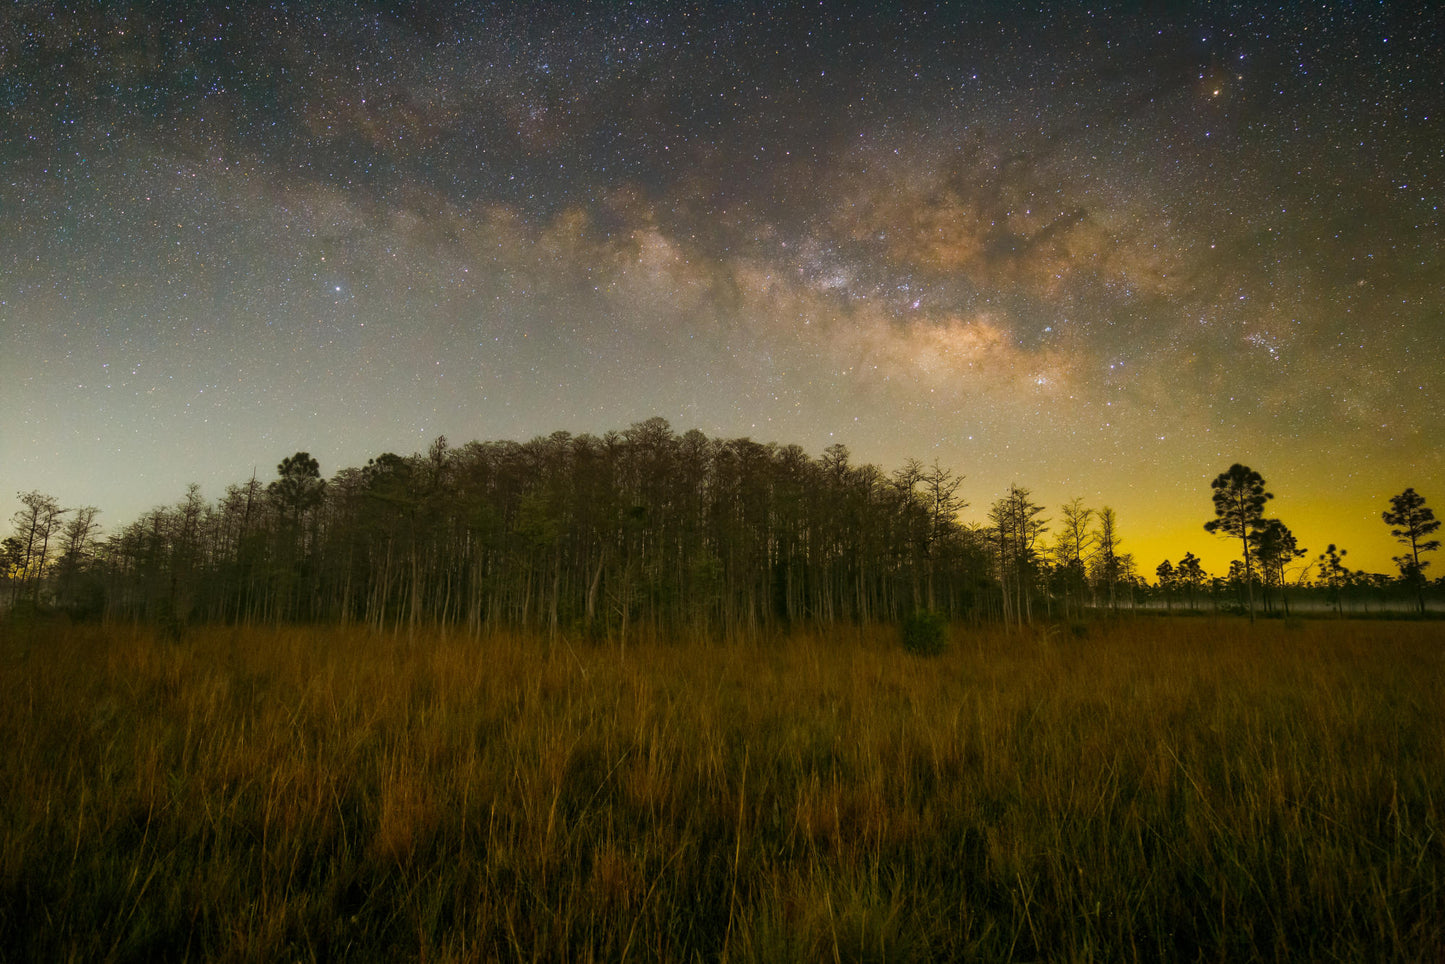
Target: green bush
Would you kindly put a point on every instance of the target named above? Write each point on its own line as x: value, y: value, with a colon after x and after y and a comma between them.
x: 925, y: 632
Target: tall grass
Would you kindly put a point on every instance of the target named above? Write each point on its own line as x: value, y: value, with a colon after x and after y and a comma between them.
x: 1162, y: 790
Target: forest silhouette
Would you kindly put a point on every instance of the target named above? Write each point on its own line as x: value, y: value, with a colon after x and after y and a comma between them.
x: 645, y: 532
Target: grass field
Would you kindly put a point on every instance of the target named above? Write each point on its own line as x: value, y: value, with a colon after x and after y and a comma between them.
x: 1160, y: 789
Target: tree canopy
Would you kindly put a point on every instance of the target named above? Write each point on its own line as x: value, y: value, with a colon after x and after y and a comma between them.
x: 1239, y: 499
x: 641, y: 531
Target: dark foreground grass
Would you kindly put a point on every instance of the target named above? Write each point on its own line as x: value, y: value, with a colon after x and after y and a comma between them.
x: 1162, y: 790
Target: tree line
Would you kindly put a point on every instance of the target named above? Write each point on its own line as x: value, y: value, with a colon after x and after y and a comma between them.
x: 1268, y: 547
x: 637, y: 532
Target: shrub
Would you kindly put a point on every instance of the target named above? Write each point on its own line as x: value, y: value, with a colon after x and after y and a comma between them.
x: 925, y: 632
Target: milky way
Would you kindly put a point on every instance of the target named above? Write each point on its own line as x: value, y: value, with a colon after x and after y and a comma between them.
x: 1098, y: 254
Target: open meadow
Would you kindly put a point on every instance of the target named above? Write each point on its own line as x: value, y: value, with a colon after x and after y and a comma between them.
x: 1152, y: 789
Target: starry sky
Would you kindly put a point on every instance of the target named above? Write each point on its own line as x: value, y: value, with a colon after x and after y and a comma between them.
x: 1095, y: 251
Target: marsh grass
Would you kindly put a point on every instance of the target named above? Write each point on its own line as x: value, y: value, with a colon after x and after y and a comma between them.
x: 1159, y: 790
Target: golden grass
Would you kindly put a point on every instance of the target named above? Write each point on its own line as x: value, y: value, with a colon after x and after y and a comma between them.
x: 1164, y: 790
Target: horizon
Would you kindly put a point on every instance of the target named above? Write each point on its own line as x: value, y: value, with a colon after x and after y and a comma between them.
x: 1149, y: 548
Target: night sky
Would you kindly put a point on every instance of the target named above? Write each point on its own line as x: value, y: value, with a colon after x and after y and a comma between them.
x: 1098, y: 253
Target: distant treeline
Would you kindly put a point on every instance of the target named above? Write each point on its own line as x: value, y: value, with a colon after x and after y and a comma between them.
x: 640, y: 531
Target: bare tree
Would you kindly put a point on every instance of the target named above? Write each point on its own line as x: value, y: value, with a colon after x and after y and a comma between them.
x: 1073, y: 545
x: 1016, y: 530
x: 1108, y: 567
x: 74, y: 590
x: 36, y: 523
x: 939, y: 492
